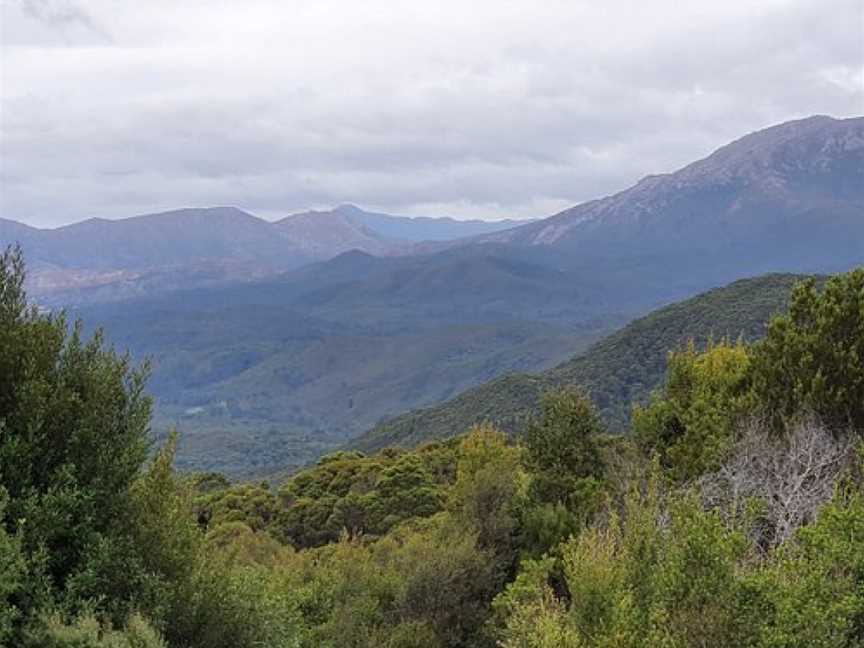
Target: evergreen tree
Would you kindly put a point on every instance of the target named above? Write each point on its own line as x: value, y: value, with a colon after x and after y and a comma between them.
x: 813, y: 357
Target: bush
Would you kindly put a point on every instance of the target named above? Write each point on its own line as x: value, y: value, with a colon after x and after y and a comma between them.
x: 691, y: 422
x: 86, y: 631
x: 812, y: 359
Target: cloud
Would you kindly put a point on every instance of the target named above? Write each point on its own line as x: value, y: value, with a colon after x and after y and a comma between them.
x: 488, y: 109
x: 50, y: 22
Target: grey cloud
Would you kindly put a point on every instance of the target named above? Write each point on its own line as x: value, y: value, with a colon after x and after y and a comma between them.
x: 51, y: 22
x: 512, y: 122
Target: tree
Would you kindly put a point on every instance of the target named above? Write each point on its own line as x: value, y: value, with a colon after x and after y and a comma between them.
x: 566, y: 470
x: 790, y: 477
x: 489, y: 483
x: 562, y: 451
x: 12, y: 573
x: 73, y: 433
x: 691, y: 422
x: 813, y: 357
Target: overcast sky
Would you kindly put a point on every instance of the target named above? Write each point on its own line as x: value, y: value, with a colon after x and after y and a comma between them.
x: 467, y: 108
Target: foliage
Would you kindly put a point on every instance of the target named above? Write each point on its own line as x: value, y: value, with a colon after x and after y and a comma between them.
x: 12, y: 574
x: 252, y: 504
x: 427, y: 584
x: 563, y: 457
x: 665, y: 572
x: 562, y: 449
x: 74, y: 428
x: 87, y: 632
x: 490, y: 485
x: 813, y: 589
x: 813, y: 358
x: 85, y: 533
x: 691, y: 423
x: 363, y: 495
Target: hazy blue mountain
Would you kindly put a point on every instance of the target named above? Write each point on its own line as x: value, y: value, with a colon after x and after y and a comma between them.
x: 108, y: 259
x: 422, y: 228
x: 167, y: 238
x: 100, y: 259
x: 14, y: 231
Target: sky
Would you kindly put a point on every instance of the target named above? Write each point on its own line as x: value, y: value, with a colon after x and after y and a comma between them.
x: 470, y: 109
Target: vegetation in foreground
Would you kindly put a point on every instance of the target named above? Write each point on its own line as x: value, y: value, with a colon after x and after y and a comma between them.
x: 733, y: 515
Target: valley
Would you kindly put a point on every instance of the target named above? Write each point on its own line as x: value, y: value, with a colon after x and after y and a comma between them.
x: 272, y: 343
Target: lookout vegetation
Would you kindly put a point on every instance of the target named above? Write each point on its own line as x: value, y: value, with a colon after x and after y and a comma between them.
x: 731, y: 514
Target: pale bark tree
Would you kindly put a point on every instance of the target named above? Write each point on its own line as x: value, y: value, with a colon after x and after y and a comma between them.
x: 788, y: 477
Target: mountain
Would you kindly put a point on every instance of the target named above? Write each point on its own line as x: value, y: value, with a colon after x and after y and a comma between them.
x: 14, y: 231
x: 421, y: 228
x: 109, y: 259
x: 325, y: 234
x: 790, y: 197
x: 167, y: 238
x: 100, y: 259
x: 621, y: 369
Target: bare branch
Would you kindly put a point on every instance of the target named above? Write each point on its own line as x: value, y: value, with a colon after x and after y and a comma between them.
x: 790, y: 478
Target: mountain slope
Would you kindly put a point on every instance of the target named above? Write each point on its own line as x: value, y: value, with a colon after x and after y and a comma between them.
x: 327, y: 234
x: 790, y: 197
x: 618, y: 370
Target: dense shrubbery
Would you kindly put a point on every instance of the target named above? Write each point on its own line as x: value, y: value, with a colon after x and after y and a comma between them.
x: 691, y: 423
x: 734, y: 516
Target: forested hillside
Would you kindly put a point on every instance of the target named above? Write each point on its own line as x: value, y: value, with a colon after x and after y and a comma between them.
x: 617, y: 371
x: 732, y: 515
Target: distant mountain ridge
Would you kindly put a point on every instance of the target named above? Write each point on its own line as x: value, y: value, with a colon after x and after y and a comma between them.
x: 197, y: 246
x: 165, y: 238
x: 417, y: 228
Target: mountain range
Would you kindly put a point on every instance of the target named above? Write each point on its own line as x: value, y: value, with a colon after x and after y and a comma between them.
x: 99, y: 259
x: 273, y: 342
